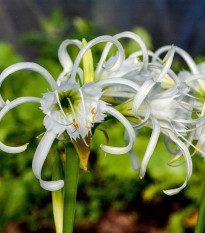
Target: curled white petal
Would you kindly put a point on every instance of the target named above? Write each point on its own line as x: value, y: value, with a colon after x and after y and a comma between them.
x: 151, y: 146
x: 173, y: 151
x: 63, y: 55
x: 91, y: 44
x: 120, y: 81
x: 39, y: 159
x: 156, y: 66
x: 8, y: 107
x: 13, y: 150
x: 126, y: 35
x: 168, y: 62
x: 134, y: 160
x: 133, y: 156
x: 141, y: 95
x: 150, y: 54
x: 190, y: 62
x: 52, y: 185
x: 128, y: 127
x: 188, y: 161
x: 27, y: 66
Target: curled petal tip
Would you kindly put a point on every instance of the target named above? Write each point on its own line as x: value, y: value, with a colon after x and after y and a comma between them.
x: 167, y: 192
x: 141, y: 176
x: 52, y: 185
x: 26, y: 144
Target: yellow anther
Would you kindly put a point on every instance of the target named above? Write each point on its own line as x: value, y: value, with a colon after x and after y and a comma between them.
x: 92, y: 110
x: 93, y: 118
x: 75, y: 124
x: 88, y: 127
x: 198, y: 148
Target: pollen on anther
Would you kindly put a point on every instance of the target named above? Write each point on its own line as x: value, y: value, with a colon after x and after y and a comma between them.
x: 92, y: 110
x: 75, y: 124
x: 88, y: 127
x: 93, y: 118
x: 198, y: 148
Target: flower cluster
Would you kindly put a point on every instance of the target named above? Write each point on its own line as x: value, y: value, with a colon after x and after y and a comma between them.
x: 144, y: 90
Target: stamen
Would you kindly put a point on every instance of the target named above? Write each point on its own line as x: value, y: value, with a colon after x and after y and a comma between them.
x: 92, y: 110
x: 75, y: 124
x: 88, y: 127
x: 197, y: 151
x: 93, y: 118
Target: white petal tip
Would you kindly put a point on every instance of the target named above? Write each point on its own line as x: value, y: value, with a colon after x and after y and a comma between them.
x: 142, y: 174
x: 170, y: 192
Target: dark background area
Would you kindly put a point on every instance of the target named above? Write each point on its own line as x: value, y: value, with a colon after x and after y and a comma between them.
x: 168, y: 21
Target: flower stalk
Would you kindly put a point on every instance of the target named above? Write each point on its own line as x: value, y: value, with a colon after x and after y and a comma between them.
x: 70, y: 187
x: 57, y: 196
x: 200, y: 226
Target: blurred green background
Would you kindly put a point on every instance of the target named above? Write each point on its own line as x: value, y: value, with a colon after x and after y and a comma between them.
x: 111, y: 197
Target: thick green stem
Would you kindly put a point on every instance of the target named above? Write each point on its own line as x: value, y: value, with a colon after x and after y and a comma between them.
x: 70, y: 187
x: 200, y: 226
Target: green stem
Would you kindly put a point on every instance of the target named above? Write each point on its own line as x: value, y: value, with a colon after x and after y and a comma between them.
x: 57, y: 196
x: 200, y: 226
x: 70, y: 187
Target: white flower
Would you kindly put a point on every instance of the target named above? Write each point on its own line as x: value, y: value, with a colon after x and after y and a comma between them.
x: 166, y: 111
x: 68, y: 108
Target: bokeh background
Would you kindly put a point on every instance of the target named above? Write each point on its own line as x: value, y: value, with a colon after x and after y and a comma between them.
x: 111, y: 197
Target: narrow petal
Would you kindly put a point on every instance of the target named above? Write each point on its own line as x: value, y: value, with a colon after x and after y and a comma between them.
x: 141, y: 95
x: 133, y: 36
x: 188, y: 161
x: 63, y: 55
x: 133, y: 156
x: 151, y: 146
x: 8, y: 107
x: 93, y: 42
x: 39, y: 159
x: 141, y: 43
x: 146, y: 118
x: 188, y: 59
x: 13, y: 149
x: 134, y: 160
x: 167, y: 142
x: 168, y: 62
x: 52, y: 185
x: 117, y: 81
x: 128, y: 127
x: 140, y: 53
x: 28, y: 66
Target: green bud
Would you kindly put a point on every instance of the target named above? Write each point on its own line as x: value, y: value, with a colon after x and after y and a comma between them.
x: 88, y: 69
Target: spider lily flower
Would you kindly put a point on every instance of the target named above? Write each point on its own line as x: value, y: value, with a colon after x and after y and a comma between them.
x: 164, y: 110
x: 169, y: 116
x: 69, y: 108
